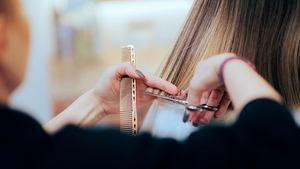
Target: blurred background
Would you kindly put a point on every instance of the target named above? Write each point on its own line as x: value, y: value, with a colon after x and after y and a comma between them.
x: 73, y: 41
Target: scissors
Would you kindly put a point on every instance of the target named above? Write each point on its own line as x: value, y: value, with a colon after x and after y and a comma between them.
x: 185, y: 103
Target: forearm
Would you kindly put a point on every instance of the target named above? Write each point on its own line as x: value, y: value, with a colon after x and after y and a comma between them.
x: 85, y: 111
x: 244, y: 84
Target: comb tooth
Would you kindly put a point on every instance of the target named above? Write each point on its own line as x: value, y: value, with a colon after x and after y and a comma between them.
x: 129, y: 130
x: 126, y: 121
x: 126, y: 118
x: 126, y: 114
x: 126, y: 126
x: 126, y: 129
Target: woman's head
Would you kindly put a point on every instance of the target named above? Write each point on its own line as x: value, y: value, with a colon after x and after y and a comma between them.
x: 14, y: 44
x: 265, y: 31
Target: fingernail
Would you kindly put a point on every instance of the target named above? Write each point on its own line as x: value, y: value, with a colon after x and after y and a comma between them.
x: 141, y: 74
x: 195, y: 124
x: 186, y: 116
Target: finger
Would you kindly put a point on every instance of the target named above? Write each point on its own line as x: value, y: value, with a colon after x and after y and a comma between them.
x: 127, y: 69
x: 158, y: 83
x: 199, y: 115
x: 205, y: 96
x: 193, y: 117
x: 183, y: 94
x: 206, y: 118
x: 223, y: 106
x: 193, y: 98
x: 214, y: 99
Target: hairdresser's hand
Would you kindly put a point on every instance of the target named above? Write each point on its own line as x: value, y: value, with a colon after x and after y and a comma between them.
x: 104, y: 98
x: 206, y: 88
x: 108, y: 88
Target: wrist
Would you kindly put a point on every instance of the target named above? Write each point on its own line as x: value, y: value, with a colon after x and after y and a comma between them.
x: 94, y: 95
x: 244, y: 84
x: 86, y: 110
x: 93, y: 110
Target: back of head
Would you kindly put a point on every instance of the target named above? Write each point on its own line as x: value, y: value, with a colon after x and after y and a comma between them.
x: 14, y: 45
x: 9, y: 9
x: 265, y: 31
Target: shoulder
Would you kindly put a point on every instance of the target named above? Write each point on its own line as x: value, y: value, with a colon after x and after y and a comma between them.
x: 11, y: 117
x: 266, y: 121
x: 16, y: 126
x: 266, y: 111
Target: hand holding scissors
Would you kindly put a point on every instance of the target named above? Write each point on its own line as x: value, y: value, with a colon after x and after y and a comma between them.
x: 185, y: 103
x: 206, y: 95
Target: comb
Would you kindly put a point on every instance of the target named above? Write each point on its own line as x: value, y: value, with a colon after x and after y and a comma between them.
x: 128, y: 114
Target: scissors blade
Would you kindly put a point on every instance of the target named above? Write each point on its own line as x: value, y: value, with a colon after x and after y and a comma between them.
x: 178, y: 101
x: 185, y: 103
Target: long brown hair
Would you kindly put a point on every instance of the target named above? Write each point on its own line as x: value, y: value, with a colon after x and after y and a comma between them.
x: 267, y: 32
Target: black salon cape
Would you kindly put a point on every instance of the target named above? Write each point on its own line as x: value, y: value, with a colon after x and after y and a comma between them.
x: 265, y: 136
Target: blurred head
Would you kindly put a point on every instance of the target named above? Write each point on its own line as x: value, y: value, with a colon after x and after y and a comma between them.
x: 265, y: 31
x: 14, y: 44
